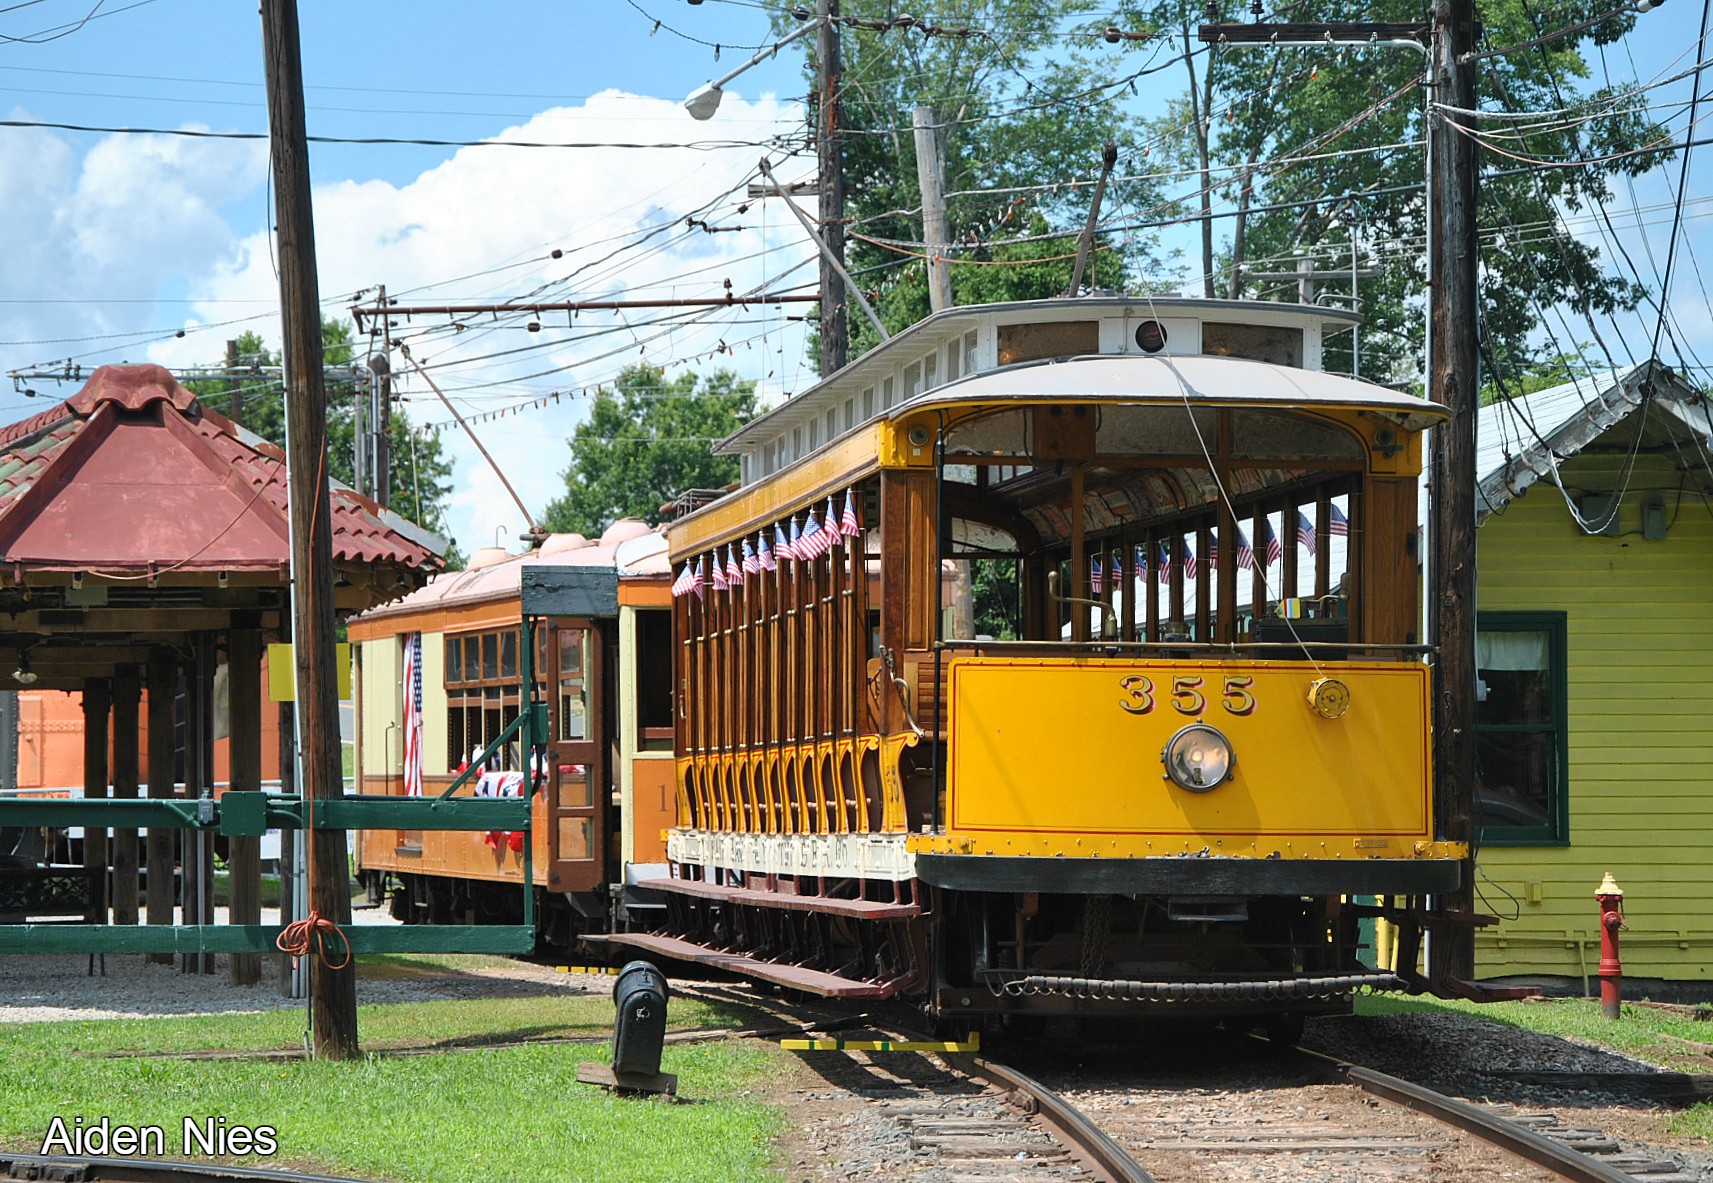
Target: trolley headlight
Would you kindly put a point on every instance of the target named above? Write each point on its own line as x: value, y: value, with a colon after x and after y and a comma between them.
x: 1198, y: 758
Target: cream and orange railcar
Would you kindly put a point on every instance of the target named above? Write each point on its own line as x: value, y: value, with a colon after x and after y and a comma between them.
x: 602, y: 663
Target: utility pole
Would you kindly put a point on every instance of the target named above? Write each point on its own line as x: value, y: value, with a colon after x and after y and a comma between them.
x: 835, y: 340
x: 1453, y: 380
x: 333, y: 992
x: 235, y: 403
x: 936, y: 236
x: 382, y: 369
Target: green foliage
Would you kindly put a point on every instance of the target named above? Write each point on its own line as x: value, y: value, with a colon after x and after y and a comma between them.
x: 423, y: 1117
x: 993, y: 584
x: 1019, y: 105
x: 1363, y: 108
x: 646, y: 440
x: 421, y: 472
x: 1541, y: 374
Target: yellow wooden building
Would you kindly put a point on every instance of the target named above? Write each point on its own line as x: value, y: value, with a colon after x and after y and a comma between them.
x: 1595, y: 575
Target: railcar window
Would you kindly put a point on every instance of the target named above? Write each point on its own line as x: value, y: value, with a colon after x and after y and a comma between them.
x: 1259, y: 434
x: 1521, y: 742
x: 573, y: 702
x: 1032, y: 342
x: 1269, y: 343
x: 654, y: 681
x: 483, y: 692
x: 1159, y: 430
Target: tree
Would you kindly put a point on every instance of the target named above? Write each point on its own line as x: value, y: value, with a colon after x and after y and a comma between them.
x: 1018, y: 111
x: 1350, y: 123
x: 421, y: 473
x: 647, y: 440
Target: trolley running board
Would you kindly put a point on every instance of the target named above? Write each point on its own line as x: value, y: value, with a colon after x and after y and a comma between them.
x: 861, y: 909
x: 795, y: 977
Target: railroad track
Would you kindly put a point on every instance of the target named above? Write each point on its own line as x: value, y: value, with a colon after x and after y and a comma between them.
x: 52, y: 1168
x: 954, y: 1118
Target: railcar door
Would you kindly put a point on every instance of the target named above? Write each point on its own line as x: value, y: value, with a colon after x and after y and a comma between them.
x: 577, y: 773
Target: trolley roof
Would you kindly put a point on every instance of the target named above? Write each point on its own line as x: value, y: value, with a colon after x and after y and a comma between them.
x: 1193, y: 380
x: 1133, y: 348
x: 629, y: 549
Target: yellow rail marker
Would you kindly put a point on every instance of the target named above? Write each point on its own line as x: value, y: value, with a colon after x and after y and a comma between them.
x: 972, y: 1044
x: 583, y: 969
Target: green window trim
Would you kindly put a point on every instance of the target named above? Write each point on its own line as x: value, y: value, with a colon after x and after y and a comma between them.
x: 1554, y: 830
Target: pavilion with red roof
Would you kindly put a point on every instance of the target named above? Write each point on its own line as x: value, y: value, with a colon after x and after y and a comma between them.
x: 144, y: 541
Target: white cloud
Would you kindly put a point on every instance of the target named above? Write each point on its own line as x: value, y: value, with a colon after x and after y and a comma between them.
x: 486, y: 208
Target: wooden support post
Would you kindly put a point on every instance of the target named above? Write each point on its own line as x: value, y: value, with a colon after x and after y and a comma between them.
x: 333, y: 992
x: 288, y: 839
x: 163, y: 687
x: 126, y: 745
x: 97, y: 707
x: 244, y: 746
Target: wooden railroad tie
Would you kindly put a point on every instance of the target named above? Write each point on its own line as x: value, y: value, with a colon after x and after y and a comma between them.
x: 972, y: 1044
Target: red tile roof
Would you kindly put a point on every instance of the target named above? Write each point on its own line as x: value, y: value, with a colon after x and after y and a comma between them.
x: 133, y: 475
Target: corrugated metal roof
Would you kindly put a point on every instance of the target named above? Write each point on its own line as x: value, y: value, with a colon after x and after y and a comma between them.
x: 132, y: 474
x: 1524, y: 439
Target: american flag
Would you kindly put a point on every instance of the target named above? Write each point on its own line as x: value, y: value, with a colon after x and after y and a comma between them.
x: 1095, y: 579
x: 1270, y: 542
x: 1141, y: 562
x: 413, y: 715
x: 1117, y: 570
x: 1213, y: 554
x: 848, y: 524
x: 814, y: 541
x: 1245, y: 552
x: 764, y: 553
x: 681, y: 585
x: 789, y: 550
x: 751, y: 561
x: 734, y: 572
x: 782, y: 545
x: 1165, y: 569
x: 1305, y: 531
x: 830, y: 520
x: 697, y: 583
x: 1340, y: 524
x: 719, y: 573
x: 1190, y: 567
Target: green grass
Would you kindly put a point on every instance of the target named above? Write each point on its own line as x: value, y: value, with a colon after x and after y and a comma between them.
x: 1670, y: 1037
x: 223, y: 890
x: 499, y: 1114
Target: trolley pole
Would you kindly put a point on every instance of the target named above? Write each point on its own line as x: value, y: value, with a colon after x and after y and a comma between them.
x: 333, y: 993
x: 1453, y: 380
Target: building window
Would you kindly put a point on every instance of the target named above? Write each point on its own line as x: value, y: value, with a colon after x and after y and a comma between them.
x: 1521, y: 737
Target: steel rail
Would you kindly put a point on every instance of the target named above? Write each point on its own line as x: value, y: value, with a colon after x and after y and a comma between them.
x: 1519, y: 1140
x: 85, y: 1168
x: 1109, y: 1161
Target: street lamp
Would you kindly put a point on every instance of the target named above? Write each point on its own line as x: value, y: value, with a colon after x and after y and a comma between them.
x: 705, y: 99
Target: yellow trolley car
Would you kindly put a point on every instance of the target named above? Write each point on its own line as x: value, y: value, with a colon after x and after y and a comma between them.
x: 1059, y: 657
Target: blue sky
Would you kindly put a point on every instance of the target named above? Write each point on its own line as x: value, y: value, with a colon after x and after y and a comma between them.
x: 111, y: 244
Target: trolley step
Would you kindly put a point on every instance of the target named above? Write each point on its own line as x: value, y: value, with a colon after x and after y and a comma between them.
x: 795, y: 977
